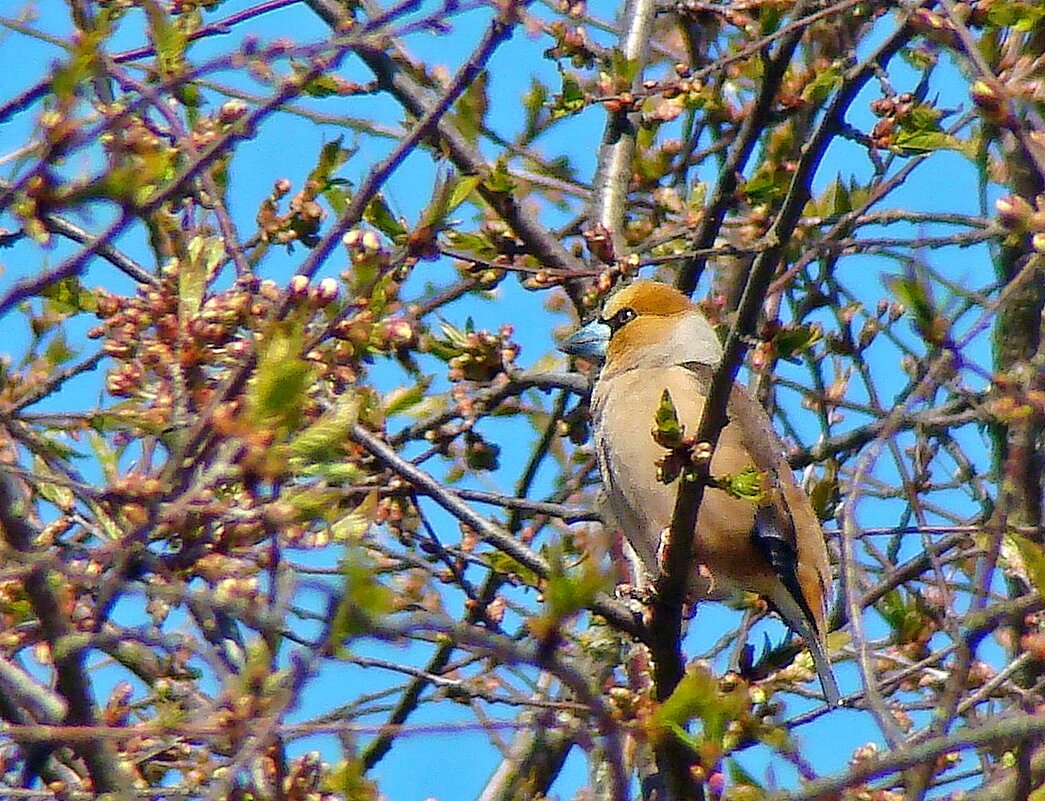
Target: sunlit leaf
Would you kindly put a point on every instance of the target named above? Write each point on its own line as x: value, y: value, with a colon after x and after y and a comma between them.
x: 823, y: 84
x: 348, y: 780
x: 68, y: 296
x: 351, y: 527
x: 570, y: 99
x: 793, y: 340
x: 325, y: 438
x: 503, y: 563
x: 58, y: 351
x: 379, y: 215
x: 470, y: 110
x: 1033, y: 557
x: 277, y: 393
x: 364, y: 600
x: 667, y: 430
x: 402, y: 399
x: 461, y: 190
x: 748, y: 484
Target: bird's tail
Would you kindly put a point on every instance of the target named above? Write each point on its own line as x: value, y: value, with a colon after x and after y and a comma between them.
x: 796, y: 618
x: 823, y: 669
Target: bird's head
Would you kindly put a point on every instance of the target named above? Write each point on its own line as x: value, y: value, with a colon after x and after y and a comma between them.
x: 646, y: 324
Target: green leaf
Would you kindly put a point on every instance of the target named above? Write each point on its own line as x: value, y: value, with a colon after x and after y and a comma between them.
x: 58, y: 351
x: 205, y: 254
x: 667, y: 430
x: 474, y: 244
x: 769, y: 17
x: 325, y: 438
x: 916, y: 142
x: 277, y: 393
x: 455, y: 337
x: 747, y: 485
x: 836, y: 200
x: 403, y: 398
x: 738, y: 775
x: 168, y: 39
x: 507, y: 565
x: 825, y: 82
x: 920, y: 58
x: 479, y: 454
x: 1021, y: 16
x: 471, y: 108
x: 765, y: 187
x: 49, y: 444
x: 698, y: 696
x: 364, y: 599
x: 379, y: 215
x: 499, y: 179
x: 351, y: 527
x: 624, y: 69
x: 348, y: 780
x: 1033, y: 557
x: 793, y: 340
x: 914, y: 292
x: 570, y: 100
x: 68, y: 296
x: 59, y: 495
x: 108, y: 458
x: 824, y: 496
x: 903, y: 615
x: 566, y: 593
x: 461, y: 190
x: 322, y: 85
x: 332, y: 156
x: 534, y: 103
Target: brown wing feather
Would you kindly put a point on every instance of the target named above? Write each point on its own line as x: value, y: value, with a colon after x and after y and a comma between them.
x: 795, y: 517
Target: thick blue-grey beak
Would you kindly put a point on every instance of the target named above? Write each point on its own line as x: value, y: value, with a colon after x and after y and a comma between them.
x: 589, y: 341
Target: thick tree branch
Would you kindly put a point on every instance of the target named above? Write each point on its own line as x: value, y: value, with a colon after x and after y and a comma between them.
x: 71, y: 679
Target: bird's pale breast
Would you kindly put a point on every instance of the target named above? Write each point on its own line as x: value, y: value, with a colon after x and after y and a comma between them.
x: 623, y: 409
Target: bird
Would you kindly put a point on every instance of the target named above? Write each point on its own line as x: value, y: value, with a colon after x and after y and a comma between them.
x: 649, y: 337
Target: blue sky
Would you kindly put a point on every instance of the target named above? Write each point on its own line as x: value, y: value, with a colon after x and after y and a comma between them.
x: 288, y: 148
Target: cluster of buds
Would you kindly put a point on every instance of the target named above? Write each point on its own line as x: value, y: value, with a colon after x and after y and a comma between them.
x: 118, y: 707
x: 141, y: 334
x: 606, y: 280
x: 993, y: 104
x: 364, y: 335
x: 395, y: 334
x: 1018, y: 217
x: 544, y: 279
x: 399, y: 514
x: 366, y: 252
x: 682, y: 86
x: 210, y: 129
x: 600, y: 243
x: 484, y: 356
x: 489, y: 277
x: 319, y: 295
x: 892, y: 111
x: 735, y: 14
x: 572, y: 42
x: 300, y: 222
x: 1014, y: 397
x: 147, y: 333
x: 935, y: 27
x: 304, y: 779
x: 362, y: 244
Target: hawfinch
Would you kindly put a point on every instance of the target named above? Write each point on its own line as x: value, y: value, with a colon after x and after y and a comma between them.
x: 651, y: 338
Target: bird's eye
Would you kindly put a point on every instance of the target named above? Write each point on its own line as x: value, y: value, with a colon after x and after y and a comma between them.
x: 617, y: 321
